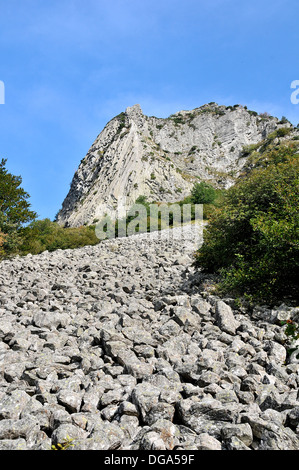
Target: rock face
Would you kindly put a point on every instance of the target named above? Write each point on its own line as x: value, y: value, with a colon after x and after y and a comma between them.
x: 161, y: 158
x: 120, y: 346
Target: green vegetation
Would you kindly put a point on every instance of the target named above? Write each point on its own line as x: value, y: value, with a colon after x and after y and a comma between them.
x: 122, y: 122
x: 40, y: 235
x: 252, y: 241
x: 292, y: 333
x: 269, y: 154
x: 267, y: 143
x: 14, y: 210
x: 21, y: 233
x: 211, y: 108
x: 219, y: 112
x: 116, y: 228
x: 203, y: 193
x: 252, y: 113
x: 292, y: 329
x: 43, y: 235
x: 192, y: 150
x: 284, y: 120
x: 64, y: 445
x: 177, y: 119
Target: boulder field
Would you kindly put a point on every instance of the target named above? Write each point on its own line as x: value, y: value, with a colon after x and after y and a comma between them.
x: 124, y: 346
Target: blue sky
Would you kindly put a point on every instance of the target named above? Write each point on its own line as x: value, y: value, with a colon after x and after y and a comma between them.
x: 69, y: 66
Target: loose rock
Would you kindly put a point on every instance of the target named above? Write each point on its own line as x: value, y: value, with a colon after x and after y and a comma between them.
x: 122, y: 346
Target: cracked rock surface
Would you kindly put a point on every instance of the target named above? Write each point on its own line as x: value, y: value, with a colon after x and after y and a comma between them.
x: 161, y: 158
x: 122, y: 346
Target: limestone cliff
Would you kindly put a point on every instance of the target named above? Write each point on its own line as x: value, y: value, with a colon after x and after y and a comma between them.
x: 161, y: 158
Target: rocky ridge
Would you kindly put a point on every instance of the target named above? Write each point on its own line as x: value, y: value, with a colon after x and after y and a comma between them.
x: 123, y: 346
x: 160, y: 158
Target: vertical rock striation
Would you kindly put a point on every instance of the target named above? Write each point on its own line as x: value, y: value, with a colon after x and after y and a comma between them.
x: 161, y: 158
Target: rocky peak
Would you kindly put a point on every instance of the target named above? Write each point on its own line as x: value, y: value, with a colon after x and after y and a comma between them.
x: 134, y: 111
x: 161, y: 158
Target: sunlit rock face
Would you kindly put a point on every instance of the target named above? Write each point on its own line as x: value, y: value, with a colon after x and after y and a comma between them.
x: 160, y: 158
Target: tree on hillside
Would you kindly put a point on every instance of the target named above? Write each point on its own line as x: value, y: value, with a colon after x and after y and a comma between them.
x: 14, y: 208
x: 203, y: 193
x: 253, y: 241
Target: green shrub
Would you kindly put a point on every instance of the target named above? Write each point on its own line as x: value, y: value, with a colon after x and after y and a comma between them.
x: 14, y: 210
x: 248, y: 149
x: 283, y: 131
x: 284, y: 120
x: 193, y: 149
x: 44, y: 235
x: 179, y: 119
x: 122, y: 122
x: 253, y: 240
x: 66, y: 444
x: 203, y: 193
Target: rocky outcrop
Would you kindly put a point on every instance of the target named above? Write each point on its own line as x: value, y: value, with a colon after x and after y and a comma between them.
x: 122, y: 346
x: 161, y: 158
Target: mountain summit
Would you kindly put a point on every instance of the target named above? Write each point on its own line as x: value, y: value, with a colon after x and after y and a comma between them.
x: 162, y: 158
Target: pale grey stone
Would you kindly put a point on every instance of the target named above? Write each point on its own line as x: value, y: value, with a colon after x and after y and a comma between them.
x: 109, y: 436
x: 205, y: 416
x: 145, y: 396
x: 160, y: 411
x: 71, y: 400
x: 14, y: 444
x: 15, y: 429
x: 225, y: 318
x: 207, y: 442
x: 276, y: 351
x: 128, y: 408
x: 12, y: 405
x: 111, y: 397
x: 67, y: 432
x: 152, y: 441
x: 280, y: 439
x: 242, y: 431
x: 235, y: 443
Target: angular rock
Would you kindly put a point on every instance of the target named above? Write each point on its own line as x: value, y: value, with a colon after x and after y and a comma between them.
x: 207, y: 442
x: 145, y: 396
x: 12, y: 405
x: 242, y: 431
x: 225, y: 318
x: 71, y: 400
